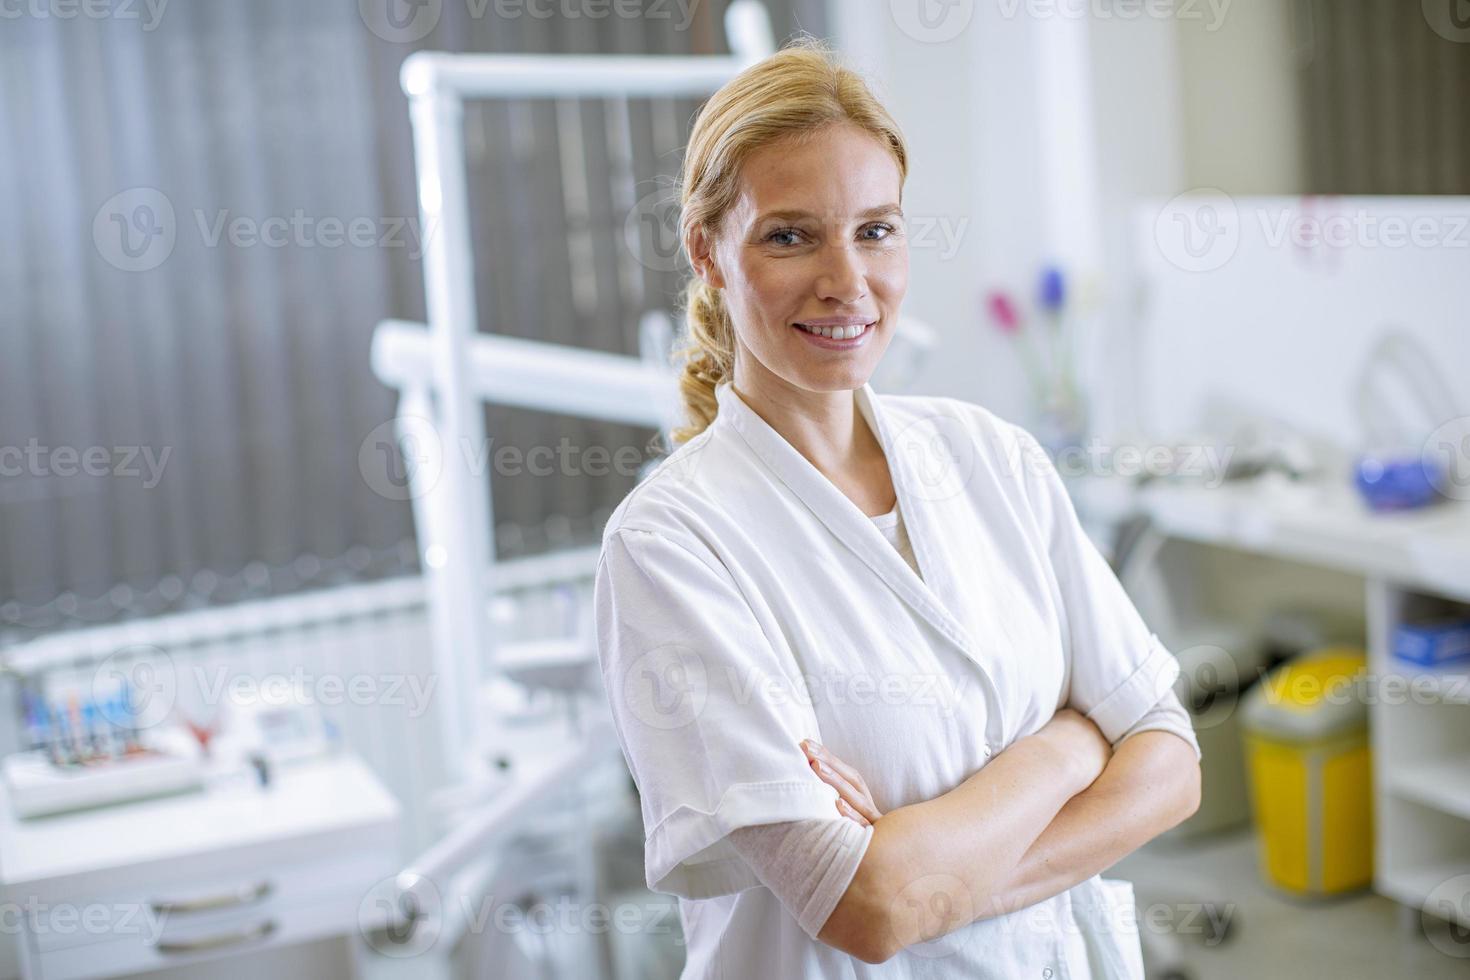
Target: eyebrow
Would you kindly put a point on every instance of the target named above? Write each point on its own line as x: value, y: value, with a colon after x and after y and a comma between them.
x: 879, y: 211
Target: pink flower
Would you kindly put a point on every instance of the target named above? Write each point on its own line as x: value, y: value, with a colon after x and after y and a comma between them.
x: 1003, y: 312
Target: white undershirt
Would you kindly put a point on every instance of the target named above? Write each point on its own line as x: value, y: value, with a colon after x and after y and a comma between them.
x: 891, y: 524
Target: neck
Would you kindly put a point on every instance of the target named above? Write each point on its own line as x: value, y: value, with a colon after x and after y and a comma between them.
x: 824, y: 426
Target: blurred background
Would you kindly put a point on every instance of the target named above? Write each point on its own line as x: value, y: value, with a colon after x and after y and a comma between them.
x: 320, y: 377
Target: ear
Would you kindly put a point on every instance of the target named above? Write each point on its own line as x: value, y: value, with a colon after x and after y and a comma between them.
x: 701, y: 256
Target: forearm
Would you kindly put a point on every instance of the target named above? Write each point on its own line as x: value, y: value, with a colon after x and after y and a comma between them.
x: 1151, y: 784
x: 930, y: 866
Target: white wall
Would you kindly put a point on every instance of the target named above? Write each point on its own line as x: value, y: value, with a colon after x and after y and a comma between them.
x: 1240, y: 101
x: 966, y: 105
x: 1037, y: 132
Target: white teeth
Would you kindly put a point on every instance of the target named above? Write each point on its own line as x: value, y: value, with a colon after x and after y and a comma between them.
x: 835, y: 333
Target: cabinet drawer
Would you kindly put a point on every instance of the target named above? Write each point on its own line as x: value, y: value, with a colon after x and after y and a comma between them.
x: 263, y: 929
x: 184, y: 911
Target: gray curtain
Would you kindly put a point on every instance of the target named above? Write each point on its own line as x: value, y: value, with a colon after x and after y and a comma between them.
x: 1385, y: 85
x: 184, y: 380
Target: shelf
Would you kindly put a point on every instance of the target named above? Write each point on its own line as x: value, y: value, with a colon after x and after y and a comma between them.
x: 1448, y: 882
x: 1443, y: 784
x: 1445, y: 686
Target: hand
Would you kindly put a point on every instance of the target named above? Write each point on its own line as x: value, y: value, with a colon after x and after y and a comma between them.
x: 853, y: 799
x: 1081, y: 742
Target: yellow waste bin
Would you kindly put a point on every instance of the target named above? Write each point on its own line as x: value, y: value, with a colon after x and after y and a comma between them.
x: 1306, y: 737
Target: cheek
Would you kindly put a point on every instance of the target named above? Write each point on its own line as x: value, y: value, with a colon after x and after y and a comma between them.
x: 890, y: 277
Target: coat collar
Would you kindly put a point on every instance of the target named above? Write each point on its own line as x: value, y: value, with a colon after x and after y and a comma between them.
x: 846, y: 520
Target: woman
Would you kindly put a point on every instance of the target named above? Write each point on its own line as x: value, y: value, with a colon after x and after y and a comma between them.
x: 861, y: 757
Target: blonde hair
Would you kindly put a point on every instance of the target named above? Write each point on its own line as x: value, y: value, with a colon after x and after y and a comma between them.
x: 790, y: 95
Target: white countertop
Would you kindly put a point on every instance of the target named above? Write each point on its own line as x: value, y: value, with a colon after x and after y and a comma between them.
x: 1324, y: 525
x: 310, y: 807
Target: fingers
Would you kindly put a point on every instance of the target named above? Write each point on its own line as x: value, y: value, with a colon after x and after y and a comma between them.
x: 843, y: 778
x: 844, y: 808
x: 844, y: 770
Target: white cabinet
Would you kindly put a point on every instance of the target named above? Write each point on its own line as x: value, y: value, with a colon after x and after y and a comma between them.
x: 190, y: 879
x: 1406, y: 565
x: 1421, y: 753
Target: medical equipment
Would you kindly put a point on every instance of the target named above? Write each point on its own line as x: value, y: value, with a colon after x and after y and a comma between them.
x: 90, y: 742
x: 446, y: 373
x: 37, y: 787
x: 278, y: 732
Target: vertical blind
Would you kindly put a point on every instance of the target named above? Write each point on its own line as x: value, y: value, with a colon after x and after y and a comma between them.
x: 209, y: 209
x: 1384, y: 89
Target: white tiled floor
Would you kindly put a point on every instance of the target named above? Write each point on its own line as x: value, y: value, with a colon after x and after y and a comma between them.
x: 1363, y: 937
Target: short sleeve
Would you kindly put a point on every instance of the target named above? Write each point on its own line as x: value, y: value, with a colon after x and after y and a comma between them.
x: 1119, y: 668
x: 1169, y: 715
x: 708, y: 712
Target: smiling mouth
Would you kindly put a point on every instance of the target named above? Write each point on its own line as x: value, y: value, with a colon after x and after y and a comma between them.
x: 836, y: 333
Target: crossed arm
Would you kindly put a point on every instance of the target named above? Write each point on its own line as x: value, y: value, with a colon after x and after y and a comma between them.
x: 1050, y: 811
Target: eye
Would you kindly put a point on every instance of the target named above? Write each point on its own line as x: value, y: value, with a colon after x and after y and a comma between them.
x: 782, y: 231
x: 886, y: 229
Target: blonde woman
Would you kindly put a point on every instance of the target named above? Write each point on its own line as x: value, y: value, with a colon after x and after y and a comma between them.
x: 888, y: 710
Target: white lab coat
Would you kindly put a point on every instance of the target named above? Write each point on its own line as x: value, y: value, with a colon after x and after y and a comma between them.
x: 744, y: 603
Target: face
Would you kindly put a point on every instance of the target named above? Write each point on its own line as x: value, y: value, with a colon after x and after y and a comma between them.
x: 815, y: 244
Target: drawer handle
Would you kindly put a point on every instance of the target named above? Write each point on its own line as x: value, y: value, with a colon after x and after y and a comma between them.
x: 258, y: 931
x: 243, y: 895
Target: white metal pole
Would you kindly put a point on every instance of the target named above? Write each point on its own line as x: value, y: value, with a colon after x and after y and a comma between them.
x: 459, y: 546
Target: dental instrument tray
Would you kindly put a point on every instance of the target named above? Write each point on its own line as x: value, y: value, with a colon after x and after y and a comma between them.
x: 38, y: 786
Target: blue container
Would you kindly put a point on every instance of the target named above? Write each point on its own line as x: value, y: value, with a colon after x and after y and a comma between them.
x: 1396, y: 482
x: 1433, y: 643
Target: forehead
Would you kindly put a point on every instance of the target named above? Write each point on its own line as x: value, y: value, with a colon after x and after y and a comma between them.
x: 837, y: 172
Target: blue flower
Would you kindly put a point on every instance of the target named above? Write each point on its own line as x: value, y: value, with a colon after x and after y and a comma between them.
x: 1053, y: 289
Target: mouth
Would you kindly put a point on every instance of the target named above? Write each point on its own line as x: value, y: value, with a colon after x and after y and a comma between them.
x: 838, y: 337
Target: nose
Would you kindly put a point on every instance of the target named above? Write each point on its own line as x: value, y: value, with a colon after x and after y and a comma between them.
x: 843, y: 275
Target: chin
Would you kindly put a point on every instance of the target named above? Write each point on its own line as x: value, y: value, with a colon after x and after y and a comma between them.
x: 834, y: 380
